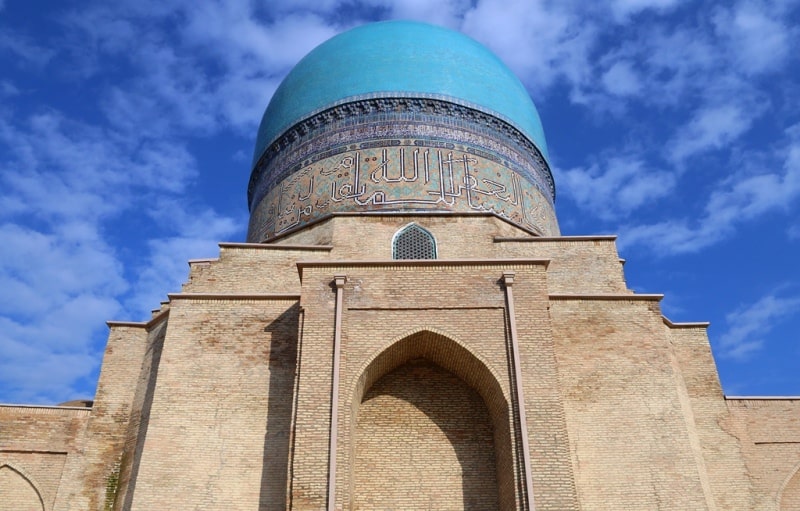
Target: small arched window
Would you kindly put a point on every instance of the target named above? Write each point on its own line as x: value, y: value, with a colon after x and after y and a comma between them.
x: 413, y: 242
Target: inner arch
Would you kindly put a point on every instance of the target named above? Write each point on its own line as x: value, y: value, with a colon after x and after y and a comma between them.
x: 17, y: 492
x: 411, y: 354
x: 424, y: 440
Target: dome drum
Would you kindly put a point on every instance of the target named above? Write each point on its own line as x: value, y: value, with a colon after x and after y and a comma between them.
x: 381, y: 155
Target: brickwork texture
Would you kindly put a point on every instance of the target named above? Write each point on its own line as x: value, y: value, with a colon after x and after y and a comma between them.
x: 223, y: 399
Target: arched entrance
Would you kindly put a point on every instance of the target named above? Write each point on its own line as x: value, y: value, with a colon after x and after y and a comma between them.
x: 430, y: 431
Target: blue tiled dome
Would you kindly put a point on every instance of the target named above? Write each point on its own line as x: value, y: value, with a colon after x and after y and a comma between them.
x: 400, y: 59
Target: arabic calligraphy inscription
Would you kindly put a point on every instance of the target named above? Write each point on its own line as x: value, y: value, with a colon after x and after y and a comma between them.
x: 402, y: 178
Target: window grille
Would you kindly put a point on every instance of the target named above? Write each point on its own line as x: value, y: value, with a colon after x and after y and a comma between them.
x: 413, y: 242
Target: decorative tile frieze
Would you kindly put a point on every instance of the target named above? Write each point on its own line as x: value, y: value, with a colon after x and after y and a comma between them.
x: 356, y: 121
x: 408, y: 177
x: 395, y: 155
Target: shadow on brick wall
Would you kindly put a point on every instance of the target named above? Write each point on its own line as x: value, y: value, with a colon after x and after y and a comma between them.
x: 282, y: 368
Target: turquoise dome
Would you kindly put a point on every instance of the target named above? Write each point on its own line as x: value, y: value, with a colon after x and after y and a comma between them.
x: 400, y: 59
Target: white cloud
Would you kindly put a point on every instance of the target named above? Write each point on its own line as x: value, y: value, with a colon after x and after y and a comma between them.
x: 678, y: 63
x: 34, y: 375
x: 65, y: 264
x: 222, y: 59
x: 255, y: 56
x: 8, y: 89
x: 621, y: 79
x: 195, y: 235
x: 625, y: 8
x: 279, y: 8
x: 542, y: 42
x: 742, y: 197
x: 446, y: 13
x: 675, y: 236
x: 749, y: 325
x: 62, y: 184
x: 55, y: 287
x: 712, y: 127
x: 26, y: 50
x: 757, y: 38
x: 693, y: 70
x: 617, y: 187
x: 67, y: 169
x: 231, y: 32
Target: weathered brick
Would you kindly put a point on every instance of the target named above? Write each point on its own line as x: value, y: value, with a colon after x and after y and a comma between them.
x: 223, y: 400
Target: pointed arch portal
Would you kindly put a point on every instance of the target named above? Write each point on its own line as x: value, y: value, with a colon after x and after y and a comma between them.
x: 430, y: 431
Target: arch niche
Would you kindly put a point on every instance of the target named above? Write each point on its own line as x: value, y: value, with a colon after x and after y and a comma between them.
x: 17, y: 491
x: 789, y: 494
x: 430, y: 430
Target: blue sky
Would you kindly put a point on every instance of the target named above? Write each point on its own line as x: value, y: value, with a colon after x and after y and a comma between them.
x: 127, y: 128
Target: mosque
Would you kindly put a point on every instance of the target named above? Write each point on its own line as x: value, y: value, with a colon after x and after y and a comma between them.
x: 405, y: 328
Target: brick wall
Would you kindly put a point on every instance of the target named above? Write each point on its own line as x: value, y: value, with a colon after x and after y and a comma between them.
x: 91, y: 478
x: 769, y: 430
x: 248, y: 268
x: 136, y: 432
x: 789, y: 495
x: 35, y: 442
x: 220, y: 408
x: 370, y: 237
x: 423, y: 441
x: 630, y: 444
x: 455, y: 358
x: 17, y: 491
x: 385, y: 304
x: 711, y: 430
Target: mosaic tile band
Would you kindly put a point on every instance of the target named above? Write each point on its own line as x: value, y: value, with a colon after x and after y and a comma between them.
x: 399, y: 117
x: 412, y: 176
x: 405, y: 154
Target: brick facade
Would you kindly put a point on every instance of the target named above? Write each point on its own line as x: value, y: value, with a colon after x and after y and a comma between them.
x: 223, y: 399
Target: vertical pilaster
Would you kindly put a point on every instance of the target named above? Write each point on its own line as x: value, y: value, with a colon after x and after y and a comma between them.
x: 508, y: 280
x: 339, y: 281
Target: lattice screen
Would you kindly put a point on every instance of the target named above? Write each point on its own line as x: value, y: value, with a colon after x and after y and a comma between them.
x: 414, y: 242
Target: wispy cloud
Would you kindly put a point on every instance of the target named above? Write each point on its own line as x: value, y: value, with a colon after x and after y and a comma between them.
x: 749, y: 325
x: 26, y: 51
x: 223, y: 58
x: 8, y: 89
x: 711, y: 127
x: 623, y: 9
x: 63, y: 182
x: 739, y: 198
x: 55, y: 286
x: 703, y: 101
x: 196, y: 234
x: 544, y: 43
x: 616, y: 187
x: 621, y: 79
x: 447, y: 13
x: 756, y: 35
